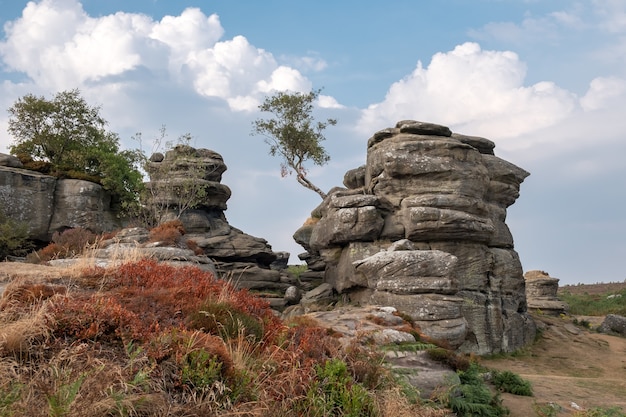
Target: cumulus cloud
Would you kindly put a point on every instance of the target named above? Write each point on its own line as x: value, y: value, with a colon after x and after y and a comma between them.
x: 59, y: 46
x: 474, y: 91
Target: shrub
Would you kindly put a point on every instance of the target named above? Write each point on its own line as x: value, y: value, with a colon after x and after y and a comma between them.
x: 74, y: 241
x: 507, y: 381
x: 169, y: 232
x: 472, y: 397
x: 335, y: 393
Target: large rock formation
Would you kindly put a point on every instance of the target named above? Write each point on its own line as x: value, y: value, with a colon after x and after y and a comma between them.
x: 48, y: 205
x: 246, y: 258
x: 421, y: 227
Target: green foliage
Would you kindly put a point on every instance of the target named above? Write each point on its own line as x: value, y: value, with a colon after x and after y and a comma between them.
x: 8, y: 396
x: 70, y: 136
x: 293, y: 133
x: 13, y: 236
x: 201, y: 369
x: 507, y: 381
x: 472, y: 397
x: 297, y: 270
x: 335, y: 393
x: 59, y: 402
x: 595, y: 304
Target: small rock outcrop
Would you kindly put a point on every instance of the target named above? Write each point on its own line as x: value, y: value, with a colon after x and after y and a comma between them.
x: 48, y: 205
x: 421, y: 227
x: 613, y: 323
x: 541, y: 293
x: 248, y: 260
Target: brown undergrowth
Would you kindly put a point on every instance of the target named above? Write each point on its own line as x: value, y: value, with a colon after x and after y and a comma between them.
x: 149, y: 339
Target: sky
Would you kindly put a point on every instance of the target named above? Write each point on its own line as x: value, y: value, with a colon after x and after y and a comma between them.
x: 544, y: 79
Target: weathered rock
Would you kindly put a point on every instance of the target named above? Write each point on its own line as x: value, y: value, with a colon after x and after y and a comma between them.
x: 10, y: 161
x: 28, y: 196
x: 82, y: 204
x: 343, y: 225
x: 425, y: 232
x: 408, y: 272
x: 49, y: 205
x: 293, y: 295
x: 355, y: 178
x: 541, y: 293
x: 613, y: 323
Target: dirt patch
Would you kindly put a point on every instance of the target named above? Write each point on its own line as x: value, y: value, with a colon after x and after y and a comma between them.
x: 568, y: 366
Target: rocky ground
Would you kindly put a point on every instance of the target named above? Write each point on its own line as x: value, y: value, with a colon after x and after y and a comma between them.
x: 569, y: 366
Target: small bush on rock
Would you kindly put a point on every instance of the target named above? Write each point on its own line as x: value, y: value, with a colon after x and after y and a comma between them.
x: 169, y: 233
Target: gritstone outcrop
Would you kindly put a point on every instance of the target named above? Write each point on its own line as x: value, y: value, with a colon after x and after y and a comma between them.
x: 421, y: 227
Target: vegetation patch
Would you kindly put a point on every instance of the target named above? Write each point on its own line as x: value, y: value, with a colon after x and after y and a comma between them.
x: 586, y: 304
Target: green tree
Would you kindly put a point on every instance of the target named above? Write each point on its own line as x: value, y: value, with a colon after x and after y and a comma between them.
x: 71, y: 136
x: 294, y: 134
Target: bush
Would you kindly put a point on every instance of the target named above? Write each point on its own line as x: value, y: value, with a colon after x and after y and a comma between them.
x: 169, y: 233
x: 335, y: 393
x: 473, y: 398
x: 66, y: 244
x: 507, y: 381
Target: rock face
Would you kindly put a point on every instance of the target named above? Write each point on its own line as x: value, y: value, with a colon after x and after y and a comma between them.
x: 247, y: 259
x: 541, y: 293
x: 421, y: 227
x: 48, y: 204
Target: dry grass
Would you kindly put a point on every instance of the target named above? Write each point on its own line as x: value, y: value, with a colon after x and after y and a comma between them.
x: 48, y: 371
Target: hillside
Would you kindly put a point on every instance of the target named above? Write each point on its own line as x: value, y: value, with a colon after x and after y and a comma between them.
x: 569, y: 365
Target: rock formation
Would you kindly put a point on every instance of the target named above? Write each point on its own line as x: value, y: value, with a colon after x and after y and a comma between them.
x: 246, y: 258
x: 421, y: 227
x: 541, y: 293
x: 48, y: 204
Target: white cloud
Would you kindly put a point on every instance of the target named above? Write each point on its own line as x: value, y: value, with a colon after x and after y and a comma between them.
x: 58, y: 46
x: 604, y: 91
x: 328, y: 102
x: 475, y: 91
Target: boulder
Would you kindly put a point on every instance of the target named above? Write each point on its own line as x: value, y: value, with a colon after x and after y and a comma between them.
x: 10, y: 161
x: 541, y: 293
x: 421, y: 227
x: 28, y: 196
x: 613, y: 323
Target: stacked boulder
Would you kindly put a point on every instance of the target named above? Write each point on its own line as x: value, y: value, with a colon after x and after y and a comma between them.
x: 541, y: 293
x: 421, y: 227
x: 249, y: 261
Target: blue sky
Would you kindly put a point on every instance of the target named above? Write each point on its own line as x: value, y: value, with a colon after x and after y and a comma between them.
x: 544, y: 79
